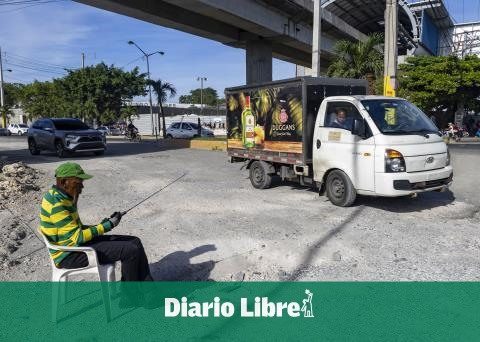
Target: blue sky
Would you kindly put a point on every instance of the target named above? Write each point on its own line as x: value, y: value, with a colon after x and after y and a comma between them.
x: 58, y: 32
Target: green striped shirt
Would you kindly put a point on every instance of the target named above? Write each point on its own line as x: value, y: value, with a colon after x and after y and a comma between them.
x: 60, y: 223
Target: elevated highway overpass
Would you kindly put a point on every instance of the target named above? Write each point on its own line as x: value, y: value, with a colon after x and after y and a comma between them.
x: 270, y: 28
x: 265, y: 29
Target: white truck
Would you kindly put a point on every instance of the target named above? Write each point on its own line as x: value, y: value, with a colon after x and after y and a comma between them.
x: 328, y: 134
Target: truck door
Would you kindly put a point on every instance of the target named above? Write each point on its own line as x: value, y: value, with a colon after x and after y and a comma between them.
x: 336, y: 147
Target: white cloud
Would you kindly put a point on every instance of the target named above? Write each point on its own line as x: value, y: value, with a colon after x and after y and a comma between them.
x: 49, y: 33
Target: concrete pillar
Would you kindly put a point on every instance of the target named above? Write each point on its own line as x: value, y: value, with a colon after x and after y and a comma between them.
x: 391, y: 50
x: 259, y: 61
x: 317, y: 34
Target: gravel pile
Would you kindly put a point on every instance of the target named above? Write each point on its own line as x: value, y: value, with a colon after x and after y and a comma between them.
x: 17, y: 179
x: 20, y: 195
x: 11, y: 237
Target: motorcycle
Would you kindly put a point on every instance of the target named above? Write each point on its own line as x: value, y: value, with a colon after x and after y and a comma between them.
x: 132, y: 135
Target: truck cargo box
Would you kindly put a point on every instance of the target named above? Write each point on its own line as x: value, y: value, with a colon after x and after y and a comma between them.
x: 275, y: 121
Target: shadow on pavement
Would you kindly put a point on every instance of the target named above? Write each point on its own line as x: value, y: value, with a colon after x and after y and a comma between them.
x: 406, y: 204
x: 314, y: 249
x: 114, y: 149
x: 176, y: 266
x: 423, y: 201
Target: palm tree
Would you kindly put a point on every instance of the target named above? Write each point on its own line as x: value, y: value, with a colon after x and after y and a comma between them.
x: 359, y: 60
x: 163, y: 90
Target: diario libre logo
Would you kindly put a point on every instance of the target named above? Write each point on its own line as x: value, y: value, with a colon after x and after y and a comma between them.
x: 261, y: 307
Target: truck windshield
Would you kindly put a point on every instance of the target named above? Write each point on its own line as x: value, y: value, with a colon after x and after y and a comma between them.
x: 398, y: 117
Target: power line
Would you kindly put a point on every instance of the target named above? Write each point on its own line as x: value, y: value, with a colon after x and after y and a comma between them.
x: 33, y: 65
x: 22, y: 2
x: 35, y: 61
x: 31, y: 4
x: 35, y: 69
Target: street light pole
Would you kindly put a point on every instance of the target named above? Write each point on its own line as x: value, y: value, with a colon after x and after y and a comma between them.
x: 148, y: 77
x: 150, y: 93
x: 201, y: 79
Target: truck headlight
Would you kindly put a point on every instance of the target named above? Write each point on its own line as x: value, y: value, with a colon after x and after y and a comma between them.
x: 448, y: 157
x: 394, y: 161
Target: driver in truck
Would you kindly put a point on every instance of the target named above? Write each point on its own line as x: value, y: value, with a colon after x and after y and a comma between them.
x: 340, y: 120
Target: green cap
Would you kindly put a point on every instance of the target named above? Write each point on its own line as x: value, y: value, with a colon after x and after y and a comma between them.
x: 71, y: 170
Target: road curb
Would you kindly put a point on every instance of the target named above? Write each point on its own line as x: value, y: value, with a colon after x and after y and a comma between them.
x: 212, y: 145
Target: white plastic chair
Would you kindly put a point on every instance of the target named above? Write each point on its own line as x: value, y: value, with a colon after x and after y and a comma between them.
x: 105, y: 273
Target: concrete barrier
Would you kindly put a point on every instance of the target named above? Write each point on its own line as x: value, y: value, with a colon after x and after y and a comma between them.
x: 212, y: 145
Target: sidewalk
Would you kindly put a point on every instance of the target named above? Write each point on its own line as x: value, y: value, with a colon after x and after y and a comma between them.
x: 464, y: 141
x: 202, y: 144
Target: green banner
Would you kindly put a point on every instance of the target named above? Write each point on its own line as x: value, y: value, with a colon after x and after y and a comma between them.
x: 248, y: 311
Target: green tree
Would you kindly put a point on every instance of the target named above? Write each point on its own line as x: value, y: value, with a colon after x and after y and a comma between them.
x: 442, y: 85
x: 13, y: 94
x: 12, y: 98
x: 210, y: 97
x: 100, y: 92
x: 163, y: 90
x: 359, y: 60
x: 41, y: 99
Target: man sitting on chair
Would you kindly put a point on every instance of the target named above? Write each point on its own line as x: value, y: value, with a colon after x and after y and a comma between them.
x: 61, y: 224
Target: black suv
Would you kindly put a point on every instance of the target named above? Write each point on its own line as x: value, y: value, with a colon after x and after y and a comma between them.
x: 64, y: 136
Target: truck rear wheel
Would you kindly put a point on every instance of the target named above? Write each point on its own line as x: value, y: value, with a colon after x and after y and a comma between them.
x: 340, y: 190
x: 259, y: 177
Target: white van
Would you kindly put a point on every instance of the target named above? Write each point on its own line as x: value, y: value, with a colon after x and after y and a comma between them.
x: 326, y: 133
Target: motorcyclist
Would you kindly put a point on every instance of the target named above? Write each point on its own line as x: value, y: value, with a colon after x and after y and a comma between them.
x: 132, y: 131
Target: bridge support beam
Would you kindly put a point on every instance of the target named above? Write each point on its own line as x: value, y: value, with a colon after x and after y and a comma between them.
x: 259, y: 61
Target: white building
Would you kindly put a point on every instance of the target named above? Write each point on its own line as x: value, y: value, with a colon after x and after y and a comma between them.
x: 466, y: 39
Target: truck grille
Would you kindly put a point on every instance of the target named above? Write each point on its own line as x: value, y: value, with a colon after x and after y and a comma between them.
x: 406, y: 185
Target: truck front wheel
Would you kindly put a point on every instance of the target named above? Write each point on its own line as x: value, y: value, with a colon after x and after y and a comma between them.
x: 340, y: 190
x: 258, y: 175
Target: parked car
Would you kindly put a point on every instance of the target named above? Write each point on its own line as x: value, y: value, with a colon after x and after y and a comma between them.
x: 18, y: 129
x: 64, y: 136
x: 4, y: 131
x: 104, y: 130
x: 115, y: 130
x: 186, y: 130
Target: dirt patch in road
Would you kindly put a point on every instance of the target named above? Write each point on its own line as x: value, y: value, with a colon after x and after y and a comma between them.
x: 20, y: 193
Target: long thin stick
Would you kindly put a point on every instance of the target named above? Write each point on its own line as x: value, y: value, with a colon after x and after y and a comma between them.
x: 156, y: 192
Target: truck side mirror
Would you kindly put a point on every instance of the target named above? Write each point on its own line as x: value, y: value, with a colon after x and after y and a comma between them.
x: 359, y: 128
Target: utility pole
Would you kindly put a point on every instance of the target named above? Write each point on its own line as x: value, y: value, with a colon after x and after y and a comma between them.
x: 81, y: 94
x: 2, y: 100
x: 201, y: 79
x: 391, y: 50
x: 317, y: 32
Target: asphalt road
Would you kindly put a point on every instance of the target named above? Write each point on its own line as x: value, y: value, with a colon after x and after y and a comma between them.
x: 213, y: 224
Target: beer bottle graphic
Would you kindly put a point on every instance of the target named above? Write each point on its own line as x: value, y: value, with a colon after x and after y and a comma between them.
x: 248, y: 125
